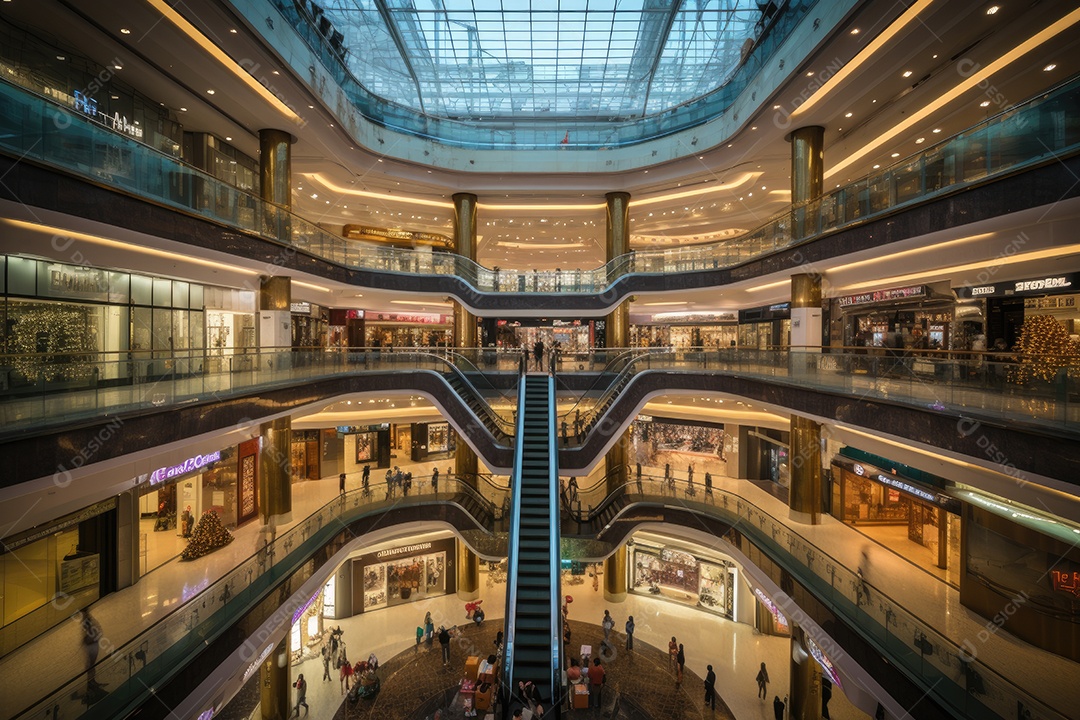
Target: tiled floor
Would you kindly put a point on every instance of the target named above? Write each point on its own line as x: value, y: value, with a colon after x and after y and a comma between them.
x: 31, y: 673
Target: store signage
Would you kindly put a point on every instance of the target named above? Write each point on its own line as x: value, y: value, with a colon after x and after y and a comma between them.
x: 877, y: 296
x: 361, y: 232
x: 415, y: 318
x: 781, y: 621
x: 66, y: 522
x: 69, y: 281
x: 404, y: 550
x: 1031, y: 286
x: 824, y: 661
x: 88, y: 106
x: 1065, y: 581
x: 906, y: 487
x: 189, y: 465
x: 303, y: 308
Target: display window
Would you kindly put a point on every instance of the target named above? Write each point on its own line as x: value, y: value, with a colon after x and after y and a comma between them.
x: 401, y: 575
x: 656, y: 442
x: 678, y: 575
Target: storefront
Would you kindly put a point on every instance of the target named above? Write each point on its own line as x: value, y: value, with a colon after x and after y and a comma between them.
x: 398, y: 575
x: 765, y: 327
x: 685, y: 330
x: 346, y: 329
x: 677, y: 574
x: 399, y: 330
x: 48, y: 573
x: 67, y: 324
x: 305, y: 455
x: 432, y: 441
x: 875, y: 500
x: 658, y: 441
x: 173, y: 498
x: 768, y: 618
x: 310, y: 325
x: 1006, y: 304
x: 921, y: 316
x: 573, y: 336
x: 365, y: 445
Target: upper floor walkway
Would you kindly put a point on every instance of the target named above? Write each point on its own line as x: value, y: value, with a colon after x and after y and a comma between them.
x: 897, y: 610
x: 1022, y: 406
x: 998, y: 166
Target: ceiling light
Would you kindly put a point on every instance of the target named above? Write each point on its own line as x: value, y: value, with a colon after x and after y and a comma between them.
x: 876, y: 167
x: 1049, y: 67
x: 920, y: 140
x: 907, y: 73
x: 232, y: 30
x: 893, y: 155
x: 937, y: 130
x: 854, y: 31
x: 847, y: 114
x: 125, y: 31
x: 809, y: 73
x: 118, y: 67
x: 61, y: 57
x: 314, y: 196
x: 992, y: 10
x: 183, y: 109
x: 228, y: 138
x: 775, y: 107
x: 753, y: 127
x: 274, y: 72
x: 984, y: 103
x: 211, y: 92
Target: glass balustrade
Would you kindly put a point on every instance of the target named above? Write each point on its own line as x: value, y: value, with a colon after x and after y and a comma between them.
x: 144, y: 661
x: 1040, y: 390
x: 949, y: 673
x: 36, y: 128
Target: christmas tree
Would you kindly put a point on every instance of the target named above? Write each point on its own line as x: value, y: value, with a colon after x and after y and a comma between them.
x: 1044, y: 348
x: 209, y: 535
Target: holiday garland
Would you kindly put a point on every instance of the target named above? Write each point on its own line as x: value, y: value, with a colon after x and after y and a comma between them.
x: 209, y: 535
x: 52, y: 342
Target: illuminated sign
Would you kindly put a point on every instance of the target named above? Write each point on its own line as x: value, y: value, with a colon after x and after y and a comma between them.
x: 189, y: 465
x: 304, y: 308
x: 403, y: 550
x: 882, y: 296
x: 1065, y: 581
x: 1029, y: 286
x: 906, y: 487
x: 823, y: 661
x: 781, y: 621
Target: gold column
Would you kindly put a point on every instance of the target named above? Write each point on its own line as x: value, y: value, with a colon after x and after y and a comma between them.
x: 275, y: 471
x: 617, y: 238
x: 465, y: 246
x: 943, y: 538
x: 804, y: 698
x: 805, y: 314
x: 804, y: 462
x: 615, y: 576
x: 466, y: 464
x: 805, y: 290
x: 468, y: 572
x: 616, y: 463
x: 807, y: 164
x: 275, y: 690
x: 275, y: 167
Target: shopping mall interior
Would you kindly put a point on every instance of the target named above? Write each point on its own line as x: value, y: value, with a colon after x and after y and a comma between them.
x: 628, y: 359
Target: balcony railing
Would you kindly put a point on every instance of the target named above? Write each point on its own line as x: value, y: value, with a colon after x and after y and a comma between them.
x: 967, y: 686
x: 1036, y: 131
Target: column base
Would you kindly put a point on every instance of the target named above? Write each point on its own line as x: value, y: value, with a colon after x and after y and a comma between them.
x: 614, y: 597
x: 469, y: 595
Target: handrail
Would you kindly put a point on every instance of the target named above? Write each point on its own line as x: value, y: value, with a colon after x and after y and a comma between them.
x: 174, y: 637
x: 840, y: 587
x: 514, y: 539
x: 554, y: 549
x: 162, y: 179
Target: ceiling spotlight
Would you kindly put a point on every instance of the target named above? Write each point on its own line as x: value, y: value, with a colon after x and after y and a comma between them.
x: 118, y: 67
x: 847, y: 114
x: 895, y: 155
x: 228, y: 138
x: 1049, y: 67
x: 920, y: 140
x: 992, y: 10
x: 211, y: 92
x: 854, y: 31
x: 984, y: 103
x: 907, y: 73
x: 876, y: 167
x: 809, y: 73
x: 125, y: 31
x: 937, y: 130
x: 775, y: 107
x: 183, y: 109
x: 232, y: 30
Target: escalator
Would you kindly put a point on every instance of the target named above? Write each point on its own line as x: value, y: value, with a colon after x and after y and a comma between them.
x: 534, y: 617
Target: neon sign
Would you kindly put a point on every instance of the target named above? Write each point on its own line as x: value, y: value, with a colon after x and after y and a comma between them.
x: 189, y: 465
x: 1065, y: 581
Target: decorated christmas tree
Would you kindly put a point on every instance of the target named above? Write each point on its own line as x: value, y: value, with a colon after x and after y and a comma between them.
x: 209, y: 535
x: 1044, y: 348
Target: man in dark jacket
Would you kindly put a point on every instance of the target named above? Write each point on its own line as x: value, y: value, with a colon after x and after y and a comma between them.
x: 710, y: 688
x: 444, y: 641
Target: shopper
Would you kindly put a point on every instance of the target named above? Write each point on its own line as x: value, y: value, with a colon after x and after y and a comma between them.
x: 429, y: 629
x: 710, y: 688
x: 444, y: 642
x: 778, y: 708
x: 92, y: 632
x: 341, y: 484
x: 346, y: 670
x: 435, y: 481
x: 826, y: 696
x: 630, y: 634
x: 419, y: 637
x: 538, y: 354
x: 597, y: 678
x: 708, y: 483
x: 607, y: 624
x: 326, y: 664
x: 301, y: 695
x: 762, y: 682
x: 673, y: 652
x: 365, y: 476
x: 680, y: 660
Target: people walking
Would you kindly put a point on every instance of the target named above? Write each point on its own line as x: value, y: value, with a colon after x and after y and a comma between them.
x: 597, y: 678
x: 538, y: 354
x: 92, y: 632
x: 435, y: 481
x: 762, y: 682
x: 326, y: 664
x: 710, y: 688
x: 778, y: 708
x: 673, y: 653
x: 607, y: 624
x: 680, y: 661
x: 444, y: 642
x: 341, y: 484
x: 301, y: 695
x: 630, y: 634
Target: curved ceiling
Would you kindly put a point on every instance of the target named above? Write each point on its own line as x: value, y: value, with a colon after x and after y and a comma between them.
x: 486, y: 60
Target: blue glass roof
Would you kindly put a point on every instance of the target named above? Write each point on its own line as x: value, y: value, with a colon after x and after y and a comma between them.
x: 604, y: 60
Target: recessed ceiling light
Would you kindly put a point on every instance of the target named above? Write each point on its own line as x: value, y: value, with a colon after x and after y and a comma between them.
x: 762, y: 187
x: 118, y: 67
x: 125, y: 31
x: 275, y: 72
x: 314, y: 196
x: 854, y: 31
x: 809, y: 73
x: 311, y: 107
x: 907, y: 73
x: 876, y: 167
x: 1049, y: 67
x: 920, y: 140
x: 847, y: 114
x: 984, y: 103
x: 61, y: 57
x: 232, y: 30
x: 183, y: 109
x: 228, y: 138
x: 211, y: 92
x: 753, y: 127
x: 895, y: 155
x: 937, y: 130
x: 775, y: 107
x: 992, y: 10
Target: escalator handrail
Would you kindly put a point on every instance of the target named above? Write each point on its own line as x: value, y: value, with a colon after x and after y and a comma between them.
x: 514, y: 540
x: 555, y: 576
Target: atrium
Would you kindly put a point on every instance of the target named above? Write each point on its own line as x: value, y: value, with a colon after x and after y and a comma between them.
x: 399, y: 358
